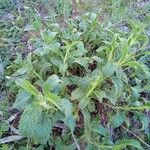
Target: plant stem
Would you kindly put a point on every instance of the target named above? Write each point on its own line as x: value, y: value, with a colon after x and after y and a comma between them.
x: 136, y: 136
x: 75, y: 140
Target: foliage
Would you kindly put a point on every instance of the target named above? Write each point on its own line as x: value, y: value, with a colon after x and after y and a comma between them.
x: 82, y: 85
x: 63, y: 58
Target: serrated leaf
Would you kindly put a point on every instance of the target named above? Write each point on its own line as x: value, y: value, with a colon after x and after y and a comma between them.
x: 26, y: 85
x: 35, y: 124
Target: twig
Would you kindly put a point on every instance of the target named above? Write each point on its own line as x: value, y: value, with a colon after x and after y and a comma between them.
x: 136, y: 136
x: 74, y: 138
x: 10, y: 139
x: 130, y: 130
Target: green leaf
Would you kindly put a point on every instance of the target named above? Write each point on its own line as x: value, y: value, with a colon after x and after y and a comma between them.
x: 118, y: 119
x: 26, y: 85
x: 50, y: 83
x: 35, y: 124
x: 140, y: 66
x: 37, y: 23
x: 48, y: 36
x: 121, y: 145
x: 77, y: 94
x: 109, y: 69
x: 3, y: 127
x: 1, y: 70
x: 70, y: 122
x: 22, y: 99
x: 84, y: 102
x: 66, y: 106
x: 93, y: 84
x: 21, y: 71
x: 87, y: 124
x: 100, y: 94
x: 100, y: 130
x: 53, y: 99
x: 63, y: 68
x: 127, y: 142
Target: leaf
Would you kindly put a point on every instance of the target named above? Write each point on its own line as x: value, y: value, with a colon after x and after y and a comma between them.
x: 87, y: 125
x: 35, y: 124
x: 37, y: 23
x: 53, y: 99
x: 1, y: 70
x: 118, y: 119
x: 109, y: 69
x: 26, y: 85
x: 81, y: 48
x: 93, y: 84
x: 77, y: 94
x: 70, y: 122
x: 127, y: 142
x: 48, y: 36
x: 121, y: 145
x: 100, y: 130
x: 66, y: 106
x: 50, y: 83
x: 84, y: 102
x: 83, y: 62
x: 21, y: 71
x: 100, y: 94
x: 3, y: 127
x: 147, y: 88
x: 46, y: 49
x: 140, y: 66
x: 22, y: 99
x: 63, y: 68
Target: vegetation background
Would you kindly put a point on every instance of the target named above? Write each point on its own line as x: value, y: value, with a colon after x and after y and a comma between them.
x: 74, y: 74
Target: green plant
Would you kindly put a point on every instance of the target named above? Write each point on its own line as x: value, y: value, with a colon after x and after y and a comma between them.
x: 85, y: 81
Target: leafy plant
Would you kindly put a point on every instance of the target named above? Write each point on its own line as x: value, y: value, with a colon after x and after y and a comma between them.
x: 85, y: 77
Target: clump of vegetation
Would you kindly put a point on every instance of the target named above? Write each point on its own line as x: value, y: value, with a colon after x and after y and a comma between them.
x: 82, y: 85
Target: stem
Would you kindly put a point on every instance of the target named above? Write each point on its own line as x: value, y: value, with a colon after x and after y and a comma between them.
x: 132, y: 107
x: 114, y: 108
x: 68, y: 50
x: 75, y: 140
x: 136, y: 136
